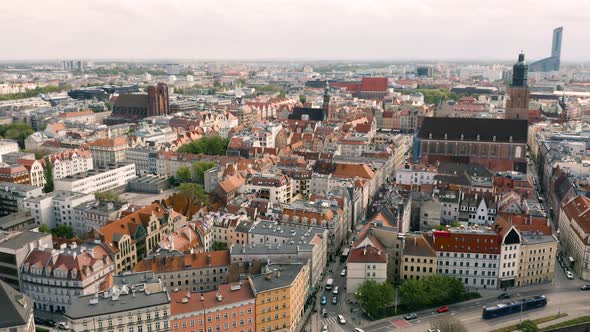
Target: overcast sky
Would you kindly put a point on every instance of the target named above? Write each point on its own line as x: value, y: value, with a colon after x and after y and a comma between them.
x: 292, y: 29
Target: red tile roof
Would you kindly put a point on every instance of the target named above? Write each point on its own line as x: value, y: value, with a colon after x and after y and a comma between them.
x: 374, y: 84
x: 209, y: 299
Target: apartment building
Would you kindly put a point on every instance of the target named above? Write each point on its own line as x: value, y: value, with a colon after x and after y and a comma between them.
x: 133, y: 303
x: 574, y: 228
x: 537, y: 258
x: 93, y: 214
x: 8, y: 146
x: 471, y: 255
x: 70, y: 162
x: 13, y: 196
x: 110, y: 177
x: 198, y: 272
x: 419, y: 259
x: 138, y: 233
x: 56, y: 208
x: 106, y: 151
x: 278, y: 189
x: 14, y: 249
x: 232, y: 307
x: 366, y: 261
x: 281, y: 292
x: 52, y: 278
x: 17, y: 310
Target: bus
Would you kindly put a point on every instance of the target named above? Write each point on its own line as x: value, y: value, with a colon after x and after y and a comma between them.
x: 329, y: 284
x: 345, y: 254
x: 513, y: 307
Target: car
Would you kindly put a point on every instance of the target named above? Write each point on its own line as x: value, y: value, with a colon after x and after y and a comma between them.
x: 442, y: 309
x: 50, y: 323
x: 336, y: 290
x: 358, y: 330
x: 325, y: 328
x: 334, y: 299
x: 324, y: 300
x: 585, y: 287
x: 569, y: 275
x: 341, y: 319
x: 63, y: 326
x: 504, y: 296
x: 411, y: 316
x: 40, y: 321
x: 324, y: 312
x: 433, y: 330
x: 343, y: 273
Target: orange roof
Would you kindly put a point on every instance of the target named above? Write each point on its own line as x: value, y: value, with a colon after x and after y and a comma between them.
x: 75, y: 114
x: 209, y: 300
x: 232, y: 183
x: 186, y: 262
x: 578, y: 210
x: 354, y: 170
x: 109, y: 142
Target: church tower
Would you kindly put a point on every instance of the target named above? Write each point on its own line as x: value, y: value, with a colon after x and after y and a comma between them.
x: 326, y: 103
x: 517, y: 105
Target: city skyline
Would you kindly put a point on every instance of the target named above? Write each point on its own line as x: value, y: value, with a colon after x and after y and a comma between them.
x: 292, y: 30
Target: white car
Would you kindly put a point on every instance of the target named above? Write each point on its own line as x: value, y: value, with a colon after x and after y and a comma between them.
x: 358, y: 330
x: 341, y: 319
x: 343, y: 273
x: 569, y: 275
x: 63, y: 326
x: 325, y: 328
x: 336, y: 290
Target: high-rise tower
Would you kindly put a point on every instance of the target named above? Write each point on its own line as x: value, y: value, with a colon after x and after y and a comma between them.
x: 553, y: 62
x: 517, y: 105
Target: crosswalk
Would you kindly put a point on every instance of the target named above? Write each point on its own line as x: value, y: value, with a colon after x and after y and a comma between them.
x: 333, y: 325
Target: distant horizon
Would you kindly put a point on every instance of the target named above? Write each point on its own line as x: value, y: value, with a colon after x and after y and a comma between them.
x: 293, y: 30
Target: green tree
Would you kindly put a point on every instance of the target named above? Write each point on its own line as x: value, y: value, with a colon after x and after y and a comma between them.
x: 43, y: 228
x: 374, y: 297
x: 528, y: 326
x: 194, y: 193
x: 48, y: 174
x: 63, y: 231
x: 33, y: 92
x: 209, y: 145
x: 108, y: 196
x: 183, y: 174
x: 216, y: 84
x: 302, y: 99
x: 18, y: 131
x: 455, y: 224
x: 219, y: 246
x: 431, y: 291
x: 199, y: 168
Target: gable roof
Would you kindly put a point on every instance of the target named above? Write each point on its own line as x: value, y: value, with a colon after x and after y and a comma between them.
x: 471, y: 128
x: 16, y: 307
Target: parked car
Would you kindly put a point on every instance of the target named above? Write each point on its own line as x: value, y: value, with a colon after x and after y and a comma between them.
x: 336, y: 290
x: 411, y: 316
x: 569, y: 275
x: 324, y: 312
x: 325, y: 328
x: 358, y: 330
x: 585, y: 287
x: 442, y: 309
x: 324, y: 300
x: 433, y: 330
x: 63, y: 326
x: 50, y: 323
x: 334, y: 299
x: 343, y: 273
x: 504, y: 296
x: 341, y: 319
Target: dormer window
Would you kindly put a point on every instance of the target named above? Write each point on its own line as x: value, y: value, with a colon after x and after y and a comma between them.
x: 478, y: 137
x: 445, y: 135
x: 462, y: 136
x: 494, y: 138
x: 430, y: 135
x: 510, y: 139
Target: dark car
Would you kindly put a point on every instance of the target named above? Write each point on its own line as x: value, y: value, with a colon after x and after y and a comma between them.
x: 50, y: 323
x: 504, y: 296
x: 585, y: 287
x: 40, y: 321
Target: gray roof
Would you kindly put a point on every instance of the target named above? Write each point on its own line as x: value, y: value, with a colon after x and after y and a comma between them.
x: 16, y: 307
x: 15, y: 219
x: 20, y: 240
x: 280, y: 276
x: 264, y: 227
x: 81, y: 306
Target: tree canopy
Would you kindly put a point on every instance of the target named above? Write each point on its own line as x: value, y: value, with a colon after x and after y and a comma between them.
x: 199, y: 168
x: 431, y: 291
x: 48, y: 174
x: 448, y: 324
x: 374, y: 297
x: 31, y: 92
x: 194, y: 193
x: 18, y: 131
x: 183, y: 174
x: 209, y: 145
x: 63, y: 231
x: 108, y: 196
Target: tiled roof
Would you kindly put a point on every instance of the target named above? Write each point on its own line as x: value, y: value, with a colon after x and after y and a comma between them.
x: 170, y: 263
x: 230, y: 294
x: 354, y: 170
x: 367, y: 254
x: 109, y: 142
x: 578, y: 210
x: 377, y: 84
